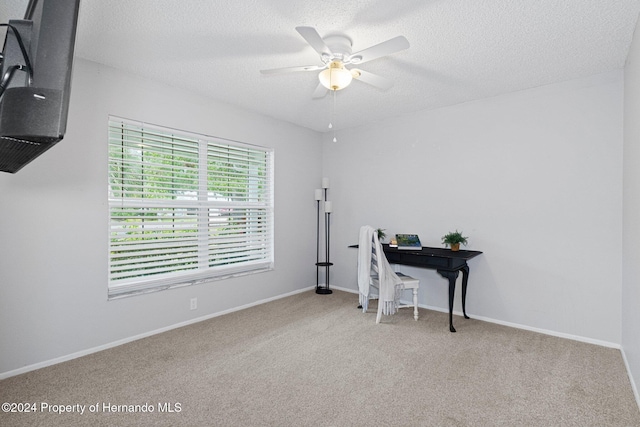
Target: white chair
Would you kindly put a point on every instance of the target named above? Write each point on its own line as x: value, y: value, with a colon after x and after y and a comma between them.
x: 374, y: 271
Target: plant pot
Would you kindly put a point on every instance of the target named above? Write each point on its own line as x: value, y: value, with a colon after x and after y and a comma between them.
x: 455, y: 247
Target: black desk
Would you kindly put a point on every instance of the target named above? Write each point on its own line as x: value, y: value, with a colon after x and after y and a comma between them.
x: 446, y: 262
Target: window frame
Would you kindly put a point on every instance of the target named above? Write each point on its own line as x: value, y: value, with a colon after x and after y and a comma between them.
x: 225, y: 224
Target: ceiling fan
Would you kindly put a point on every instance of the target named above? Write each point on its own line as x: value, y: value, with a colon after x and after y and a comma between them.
x: 335, y: 55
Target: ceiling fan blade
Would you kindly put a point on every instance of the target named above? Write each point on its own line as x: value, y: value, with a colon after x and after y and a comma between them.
x: 313, y: 38
x: 393, y: 45
x: 293, y: 69
x: 372, y: 79
x: 320, y: 91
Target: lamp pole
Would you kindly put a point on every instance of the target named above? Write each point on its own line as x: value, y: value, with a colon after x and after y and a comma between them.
x: 323, y: 290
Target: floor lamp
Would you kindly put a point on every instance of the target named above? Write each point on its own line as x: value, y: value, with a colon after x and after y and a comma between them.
x: 326, y: 207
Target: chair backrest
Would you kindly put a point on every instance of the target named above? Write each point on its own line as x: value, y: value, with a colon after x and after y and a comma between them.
x: 377, y: 255
x: 375, y: 269
x: 379, y: 263
x: 372, y: 262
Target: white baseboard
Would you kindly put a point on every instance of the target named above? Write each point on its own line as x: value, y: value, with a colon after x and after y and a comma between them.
x: 339, y: 288
x: 72, y: 356
x: 634, y: 387
x: 510, y: 324
x: 539, y: 330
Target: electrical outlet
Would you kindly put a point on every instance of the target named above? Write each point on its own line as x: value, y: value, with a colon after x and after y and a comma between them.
x: 194, y: 303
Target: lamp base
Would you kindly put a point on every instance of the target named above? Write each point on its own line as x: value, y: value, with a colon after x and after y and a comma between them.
x: 323, y: 291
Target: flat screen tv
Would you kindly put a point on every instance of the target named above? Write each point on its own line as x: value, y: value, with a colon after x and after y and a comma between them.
x: 35, y: 80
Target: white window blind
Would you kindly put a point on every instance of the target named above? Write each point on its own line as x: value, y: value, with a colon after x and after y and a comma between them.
x: 185, y: 208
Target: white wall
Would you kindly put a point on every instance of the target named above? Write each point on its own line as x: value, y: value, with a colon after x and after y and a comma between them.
x: 534, y: 178
x: 53, y: 224
x: 631, y: 215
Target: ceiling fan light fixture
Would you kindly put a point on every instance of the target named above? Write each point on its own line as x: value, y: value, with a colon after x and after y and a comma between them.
x: 335, y: 77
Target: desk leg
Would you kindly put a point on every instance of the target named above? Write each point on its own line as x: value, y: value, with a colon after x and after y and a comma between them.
x: 465, y: 279
x: 451, y: 276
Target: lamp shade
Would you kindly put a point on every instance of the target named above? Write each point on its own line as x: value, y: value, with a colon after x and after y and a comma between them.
x: 335, y: 77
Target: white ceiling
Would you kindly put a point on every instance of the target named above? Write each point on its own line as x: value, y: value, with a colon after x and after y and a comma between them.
x: 460, y: 49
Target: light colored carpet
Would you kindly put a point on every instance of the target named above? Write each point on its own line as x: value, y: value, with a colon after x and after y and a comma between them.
x: 316, y: 360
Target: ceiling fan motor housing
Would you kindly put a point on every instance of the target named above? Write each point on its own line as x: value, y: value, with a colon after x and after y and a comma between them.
x: 340, y: 47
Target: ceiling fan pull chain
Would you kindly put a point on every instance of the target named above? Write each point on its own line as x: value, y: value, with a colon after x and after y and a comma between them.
x: 333, y: 116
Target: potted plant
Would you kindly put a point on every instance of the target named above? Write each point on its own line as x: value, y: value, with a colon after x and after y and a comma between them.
x: 453, y: 239
x: 381, y: 234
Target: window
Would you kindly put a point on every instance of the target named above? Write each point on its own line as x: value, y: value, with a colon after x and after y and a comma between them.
x: 185, y: 208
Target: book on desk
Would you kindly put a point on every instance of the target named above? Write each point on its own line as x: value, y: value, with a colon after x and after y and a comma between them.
x: 408, y: 242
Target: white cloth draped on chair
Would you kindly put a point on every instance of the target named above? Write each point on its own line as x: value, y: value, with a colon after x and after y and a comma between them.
x: 364, y: 265
x: 389, y: 284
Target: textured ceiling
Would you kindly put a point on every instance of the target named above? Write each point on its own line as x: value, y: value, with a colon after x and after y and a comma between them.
x: 460, y: 49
